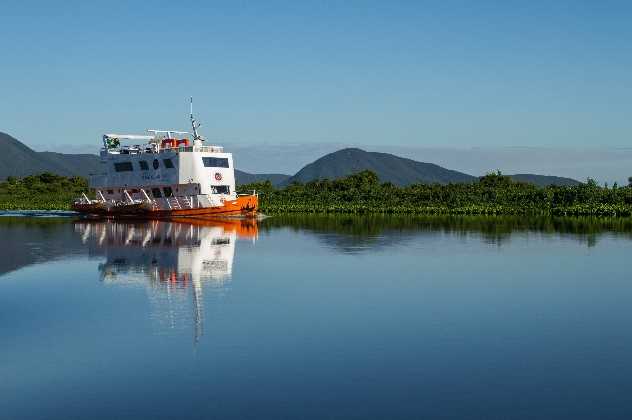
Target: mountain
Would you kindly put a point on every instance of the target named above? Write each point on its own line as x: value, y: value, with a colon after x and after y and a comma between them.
x: 389, y: 168
x: 79, y: 164
x: 17, y: 159
x: 242, y: 178
x: 400, y: 171
x: 544, y: 180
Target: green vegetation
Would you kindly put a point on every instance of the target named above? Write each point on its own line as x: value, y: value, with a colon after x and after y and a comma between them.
x: 362, y: 193
x: 41, y: 192
x: 493, y: 194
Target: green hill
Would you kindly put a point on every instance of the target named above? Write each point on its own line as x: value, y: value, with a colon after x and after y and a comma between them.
x: 78, y: 164
x: 19, y: 160
x: 389, y: 168
x: 399, y: 171
x: 544, y: 180
x: 242, y: 178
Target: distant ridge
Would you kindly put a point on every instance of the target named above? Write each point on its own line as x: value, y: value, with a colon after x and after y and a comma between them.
x: 545, y: 180
x: 389, y: 168
x: 17, y: 159
x: 242, y: 178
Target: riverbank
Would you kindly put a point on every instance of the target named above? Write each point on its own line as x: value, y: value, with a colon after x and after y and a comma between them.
x: 489, y: 210
x: 494, y: 194
x: 362, y: 193
x: 41, y: 192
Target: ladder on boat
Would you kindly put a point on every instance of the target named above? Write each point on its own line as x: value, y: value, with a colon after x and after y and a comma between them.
x: 173, y: 203
x: 178, y: 204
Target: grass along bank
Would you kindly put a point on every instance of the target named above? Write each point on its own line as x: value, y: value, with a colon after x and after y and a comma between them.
x: 362, y: 193
x: 493, y: 194
x: 41, y: 192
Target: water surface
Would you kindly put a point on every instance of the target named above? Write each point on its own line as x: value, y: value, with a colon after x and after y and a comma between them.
x: 316, y: 317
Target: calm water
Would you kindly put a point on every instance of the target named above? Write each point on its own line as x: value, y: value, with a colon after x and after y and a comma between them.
x: 311, y: 317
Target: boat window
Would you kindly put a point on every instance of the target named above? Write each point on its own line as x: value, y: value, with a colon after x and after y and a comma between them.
x: 123, y: 166
x: 220, y: 189
x: 168, y: 192
x: 156, y: 164
x: 143, y: 165
x: 168, y: 163
x: 156, y: 192
x: 110, y: 191
x: 215, y: 162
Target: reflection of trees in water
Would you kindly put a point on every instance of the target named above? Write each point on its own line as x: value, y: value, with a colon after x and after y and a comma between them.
x: 355, y: 233
x: 35, y: 240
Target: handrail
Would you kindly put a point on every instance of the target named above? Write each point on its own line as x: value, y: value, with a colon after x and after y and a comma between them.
x: 179, y: 149
x: 254, y: 192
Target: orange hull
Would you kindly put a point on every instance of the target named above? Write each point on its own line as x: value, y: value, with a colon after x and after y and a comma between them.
x: 246, y: 205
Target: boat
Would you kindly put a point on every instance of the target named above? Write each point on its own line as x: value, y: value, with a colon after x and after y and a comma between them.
x: 169, y: 174
x: 85, y: 205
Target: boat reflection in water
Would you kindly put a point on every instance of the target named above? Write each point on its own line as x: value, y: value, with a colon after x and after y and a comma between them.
x: 174, y: 260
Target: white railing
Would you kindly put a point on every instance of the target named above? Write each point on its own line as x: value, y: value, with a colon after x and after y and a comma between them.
x: 180, y: 149
x: 254, y: 192
x: 181, y: 202
x: 202, y: 149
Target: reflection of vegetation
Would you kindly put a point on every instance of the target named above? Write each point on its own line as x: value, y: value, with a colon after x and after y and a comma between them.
x: 493, y: 194
x: 370, y: 230
x: 29, y: 240
x: 41, y: 192
x: 32, y: 222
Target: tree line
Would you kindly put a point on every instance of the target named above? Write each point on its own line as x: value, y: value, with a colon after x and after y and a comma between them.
x: 363, y: 193
x: 492, y: 194
x: 45, y: 191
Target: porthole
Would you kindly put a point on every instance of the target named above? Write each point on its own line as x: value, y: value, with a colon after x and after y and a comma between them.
x: 156, y: 164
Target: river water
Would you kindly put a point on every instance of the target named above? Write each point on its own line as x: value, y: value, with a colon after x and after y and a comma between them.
x: 316, y: 317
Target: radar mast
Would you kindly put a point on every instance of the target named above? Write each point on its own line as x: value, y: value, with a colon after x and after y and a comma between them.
x: 195, y: 125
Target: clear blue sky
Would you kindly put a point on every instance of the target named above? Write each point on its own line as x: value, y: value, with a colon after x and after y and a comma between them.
x: 444, y: 73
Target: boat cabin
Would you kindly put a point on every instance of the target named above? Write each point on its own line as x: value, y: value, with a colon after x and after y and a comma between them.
x: 165, y: 167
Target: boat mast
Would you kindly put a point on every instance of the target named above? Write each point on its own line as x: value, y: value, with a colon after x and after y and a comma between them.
x: 195, y: 125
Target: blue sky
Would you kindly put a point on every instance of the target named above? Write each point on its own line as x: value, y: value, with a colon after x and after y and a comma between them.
x: 404, y: 73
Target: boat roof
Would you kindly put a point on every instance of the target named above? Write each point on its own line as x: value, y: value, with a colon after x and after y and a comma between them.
x: 154, y: 134
x: 128, y: 136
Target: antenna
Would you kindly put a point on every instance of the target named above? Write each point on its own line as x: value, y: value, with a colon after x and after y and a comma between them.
x: 195, y: 125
